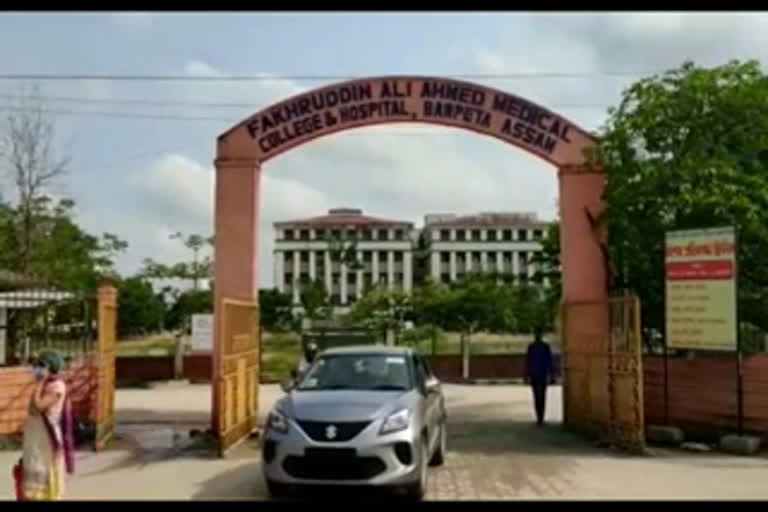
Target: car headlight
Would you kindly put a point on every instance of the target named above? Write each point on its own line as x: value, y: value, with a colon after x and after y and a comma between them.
x: 396, y: 422
x: 277, y: 422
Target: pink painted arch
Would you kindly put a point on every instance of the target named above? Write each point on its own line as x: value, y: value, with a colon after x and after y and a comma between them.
x: 242, y: 151
x: 406, y: 99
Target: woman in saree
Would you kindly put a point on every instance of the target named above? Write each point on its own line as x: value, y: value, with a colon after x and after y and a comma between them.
x: 47, y: 448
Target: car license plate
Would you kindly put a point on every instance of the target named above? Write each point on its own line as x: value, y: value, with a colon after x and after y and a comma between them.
x: 330, y: 453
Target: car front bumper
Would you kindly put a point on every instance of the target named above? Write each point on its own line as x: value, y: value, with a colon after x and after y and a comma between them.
x: 288, y: 458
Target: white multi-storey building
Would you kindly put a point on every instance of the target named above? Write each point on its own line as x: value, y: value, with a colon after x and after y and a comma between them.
x: 303, y: 254
x: 495, y: 242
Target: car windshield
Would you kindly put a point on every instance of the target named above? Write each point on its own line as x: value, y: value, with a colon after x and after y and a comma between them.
x: 372, y: 372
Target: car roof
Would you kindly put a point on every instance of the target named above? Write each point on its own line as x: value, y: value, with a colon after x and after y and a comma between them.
x: 368, y: 349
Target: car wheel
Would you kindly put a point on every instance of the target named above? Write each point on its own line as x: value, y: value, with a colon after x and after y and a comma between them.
x: 417, y: 490
x: 276, y: 490
x: 438, y: 458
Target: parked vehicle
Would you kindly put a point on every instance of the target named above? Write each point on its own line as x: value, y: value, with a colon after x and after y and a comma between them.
x: 361, y: 415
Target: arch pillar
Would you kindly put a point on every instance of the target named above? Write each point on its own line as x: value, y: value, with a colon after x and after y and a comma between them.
x: 584, y: 305
x: 236, y: 246
x: 584, y: 270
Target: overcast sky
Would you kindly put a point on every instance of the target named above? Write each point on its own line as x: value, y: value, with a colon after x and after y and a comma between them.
x: 146, y: 178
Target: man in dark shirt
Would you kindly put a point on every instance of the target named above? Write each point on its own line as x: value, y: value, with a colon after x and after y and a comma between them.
x: 539, y: 372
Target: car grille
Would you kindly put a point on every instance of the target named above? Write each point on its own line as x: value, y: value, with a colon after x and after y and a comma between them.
x: 345, y: 431
x: 333, y: 464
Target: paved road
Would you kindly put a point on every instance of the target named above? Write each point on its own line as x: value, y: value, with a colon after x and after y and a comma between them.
x: 494, y: 453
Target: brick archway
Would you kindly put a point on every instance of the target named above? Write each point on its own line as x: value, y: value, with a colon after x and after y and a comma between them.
x: 243, y: 150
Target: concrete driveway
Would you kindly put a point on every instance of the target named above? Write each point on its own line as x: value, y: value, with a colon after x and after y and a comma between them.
x: 495, y: 452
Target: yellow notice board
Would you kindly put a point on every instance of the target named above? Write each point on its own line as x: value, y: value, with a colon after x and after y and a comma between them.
x: 701, y: 287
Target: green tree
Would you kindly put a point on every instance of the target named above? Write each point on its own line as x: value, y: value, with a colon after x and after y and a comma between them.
x: 688, y: 149
x: 275, y: 309
x: 141, y: 310
x: 314, y: 299
x: 186, y: 304
x: 38, y: 235
x: 194, y: 270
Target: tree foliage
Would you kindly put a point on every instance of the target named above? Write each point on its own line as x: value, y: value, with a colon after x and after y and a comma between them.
x: 39, y: 236
x: 689, y: 149
x: 141, y: 310
x: 314, y: 299
x: 275, y: 307
x: 478, y: 303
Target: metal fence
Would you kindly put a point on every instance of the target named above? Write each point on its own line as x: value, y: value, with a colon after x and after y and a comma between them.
x: 34, y: 320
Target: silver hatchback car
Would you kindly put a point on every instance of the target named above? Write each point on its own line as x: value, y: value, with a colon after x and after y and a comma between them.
x: 364, y: 415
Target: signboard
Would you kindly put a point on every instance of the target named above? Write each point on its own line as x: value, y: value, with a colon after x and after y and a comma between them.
x: 202, y: 333
x: 701, y: 286
x: 447, y: 102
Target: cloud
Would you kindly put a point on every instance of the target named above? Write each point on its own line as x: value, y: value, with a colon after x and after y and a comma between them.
x: 398, y: 171
x: 405, y: 171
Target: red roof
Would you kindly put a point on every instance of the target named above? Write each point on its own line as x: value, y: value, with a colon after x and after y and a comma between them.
x: 343, y: 218
x: 489, y: 220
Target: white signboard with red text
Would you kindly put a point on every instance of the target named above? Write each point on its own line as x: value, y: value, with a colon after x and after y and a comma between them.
x: 701, y: 289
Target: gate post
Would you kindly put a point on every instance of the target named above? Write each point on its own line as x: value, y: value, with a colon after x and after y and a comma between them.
x: 585, y: 285
x: 236, y: 251
x: 105, y: 364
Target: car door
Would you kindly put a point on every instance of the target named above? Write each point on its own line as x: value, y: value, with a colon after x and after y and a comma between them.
x: 431, y: 401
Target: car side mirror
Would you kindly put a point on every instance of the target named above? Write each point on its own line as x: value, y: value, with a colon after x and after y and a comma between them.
x: 287, y: 385
x: 431, y: 385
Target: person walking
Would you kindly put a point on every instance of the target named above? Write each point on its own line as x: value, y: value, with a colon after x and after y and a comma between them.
x: 310, y: 352
x: 48, y: 441
x: 539, y: 372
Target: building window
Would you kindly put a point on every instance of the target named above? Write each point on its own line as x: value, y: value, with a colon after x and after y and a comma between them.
x: 319, y: 234
x: 491, y: 257
x: 507, y: 235
x: 289, y: 278
x: 336, y: 233
x: 399, y: 278
x: 445, y: 277
x: 352, y: 278
x: 335, y: 278
x: 304, y: 278
x: 382, y: 255
x: 398, y: 257
x: 336, y: 299
x: 507, y: 257
x: 383, y: 278
x: 522, y: 235
x: 304, y: 234
x: 460, y: 258
x: 461, y: 235
x: 445, y: 257
x: 537, y: 234
x: 288, y: 234
x: 351, y: 298
x: 399, y: 234
x: 383, y: 234
x: 475, y: 234
x: 367, y: 256
x: 351, y: 234
x: 304, y: 255
x: 475, y: 258
x: 366, y: 234
x: 445, y: 235
x: 490, y: 235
